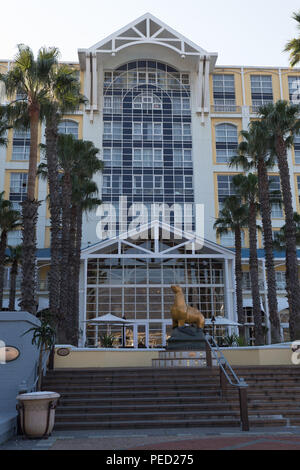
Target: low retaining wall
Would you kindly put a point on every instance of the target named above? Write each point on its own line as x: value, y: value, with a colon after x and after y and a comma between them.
x: 79, y: 358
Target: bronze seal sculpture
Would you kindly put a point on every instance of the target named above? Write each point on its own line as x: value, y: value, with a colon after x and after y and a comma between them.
x: 183, y: 313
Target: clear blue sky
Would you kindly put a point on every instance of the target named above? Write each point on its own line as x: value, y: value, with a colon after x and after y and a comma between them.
x: 243, y: 33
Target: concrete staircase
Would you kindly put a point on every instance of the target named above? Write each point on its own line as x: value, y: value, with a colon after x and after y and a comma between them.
x: 164, y: 398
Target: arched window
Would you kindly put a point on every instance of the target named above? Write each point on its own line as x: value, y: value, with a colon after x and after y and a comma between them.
x: 68, y: 127
x: 226, y: 142
x: 147, y: 101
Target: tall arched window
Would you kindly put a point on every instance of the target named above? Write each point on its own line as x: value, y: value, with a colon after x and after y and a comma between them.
x: 68, y: 127
x: 226, y: 142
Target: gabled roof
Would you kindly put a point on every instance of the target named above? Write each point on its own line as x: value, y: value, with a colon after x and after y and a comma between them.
x: 195, y: 244
x: 147, y: 29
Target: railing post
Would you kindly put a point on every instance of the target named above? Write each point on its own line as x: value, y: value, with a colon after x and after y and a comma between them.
x: 244, y: 407
x: 223, y: 380
x: 208, y: 355
x: 51, y: 359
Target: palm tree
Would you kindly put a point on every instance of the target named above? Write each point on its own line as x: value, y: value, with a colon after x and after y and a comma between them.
x: 293, y: 46
x: 247, y: 188
x: 77, y: 164
x: 13, y: 258
x: 84, y: 200
x: 9, y: 220
x: 232, y: 218
x: 29, y: 78
x: 254, y: 154
x: 4, y: 126
x: 283, y: 125
x: 64, y: 96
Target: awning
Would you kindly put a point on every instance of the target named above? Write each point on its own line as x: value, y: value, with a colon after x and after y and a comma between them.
x: 109, y: 319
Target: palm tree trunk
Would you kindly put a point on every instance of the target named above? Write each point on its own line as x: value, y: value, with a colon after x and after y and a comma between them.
x: 55, y: 214
x: 29, y: 275
x: 12, y: 286
x: 259, y: 336
x: 30, y: 216
x: 65, y: 323
x: 265, y: 206
x: 290, y: 239
x: 77, y: 265
x: 3, y: 244
x: 73, y: 287
x: 239, y: 281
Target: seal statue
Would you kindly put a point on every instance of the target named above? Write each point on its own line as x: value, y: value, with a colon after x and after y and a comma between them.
x: 183, y: 313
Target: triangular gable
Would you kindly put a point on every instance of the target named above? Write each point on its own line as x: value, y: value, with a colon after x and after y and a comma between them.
x: 161, y: 231
x: 151, y: 30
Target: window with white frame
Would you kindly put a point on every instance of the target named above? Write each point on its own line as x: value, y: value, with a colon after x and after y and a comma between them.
x: 112, y: 130
x: 18, y: 189
x: 294, y: 89
x: 181, y: 105
x: 182, y: 131
x: 147, y: 102
x: 280, y: 280
x: 112, y: 104
x: 147, y: 184
x: 111, y: 184
x: 21, y: 145
x: 224, y: 93
x: 225, y: 188
x: 137, y: 131
x: 261, y: 90
x: 228, y: 239
x: 183, y: 158
x: 144, y: 157
x: 68, y: 127
x: 112, y: 156
x: 226, y: 142
x: 275, y: 195
x: 297, y: 149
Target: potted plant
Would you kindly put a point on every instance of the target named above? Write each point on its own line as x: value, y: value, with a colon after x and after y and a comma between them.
x: 37, y: 409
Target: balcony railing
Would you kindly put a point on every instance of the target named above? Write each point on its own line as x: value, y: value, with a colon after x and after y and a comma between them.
x: 226, y: 108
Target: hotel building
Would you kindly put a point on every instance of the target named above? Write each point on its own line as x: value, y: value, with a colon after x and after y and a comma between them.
x: 166, y: 118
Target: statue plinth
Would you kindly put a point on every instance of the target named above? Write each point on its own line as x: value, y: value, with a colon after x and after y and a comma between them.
x: 186, y: 338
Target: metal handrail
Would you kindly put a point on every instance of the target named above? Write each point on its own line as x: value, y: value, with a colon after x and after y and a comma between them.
x: 240, y: 382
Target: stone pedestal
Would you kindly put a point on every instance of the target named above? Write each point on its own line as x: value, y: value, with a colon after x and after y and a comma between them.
x: 186, y: 338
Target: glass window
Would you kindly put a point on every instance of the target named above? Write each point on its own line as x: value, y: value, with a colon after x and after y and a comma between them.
x: 18, y: 189
x: 21, y: 145
x: 275, y: 188
x: 261, y: 90
x: 68, y: 127
x: 225, y: 188
x: 297, y: 149
x: 294, y: 89
x: 14, y: 238
x: 224, y: 93
x: 226, y: 142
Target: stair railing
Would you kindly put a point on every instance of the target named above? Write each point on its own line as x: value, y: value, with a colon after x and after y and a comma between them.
x: 228, y: 376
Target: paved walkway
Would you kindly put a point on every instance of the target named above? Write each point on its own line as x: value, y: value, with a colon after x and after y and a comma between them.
x: 164, y: 439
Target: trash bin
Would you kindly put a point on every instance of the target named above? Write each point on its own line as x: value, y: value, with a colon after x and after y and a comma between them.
x: 37, y: 413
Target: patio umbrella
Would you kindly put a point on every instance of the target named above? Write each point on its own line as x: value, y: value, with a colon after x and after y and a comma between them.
x: 222, y: 321
x: 110, y: 319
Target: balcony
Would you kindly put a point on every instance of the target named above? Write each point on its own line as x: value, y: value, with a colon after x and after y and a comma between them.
x: 226, y: 109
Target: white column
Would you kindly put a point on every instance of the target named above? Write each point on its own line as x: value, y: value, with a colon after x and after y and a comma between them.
x: 84, y: 301
x: 87, y: 82
x: 200, y: 85
x: 206, y: 85
x: 95, y: 82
